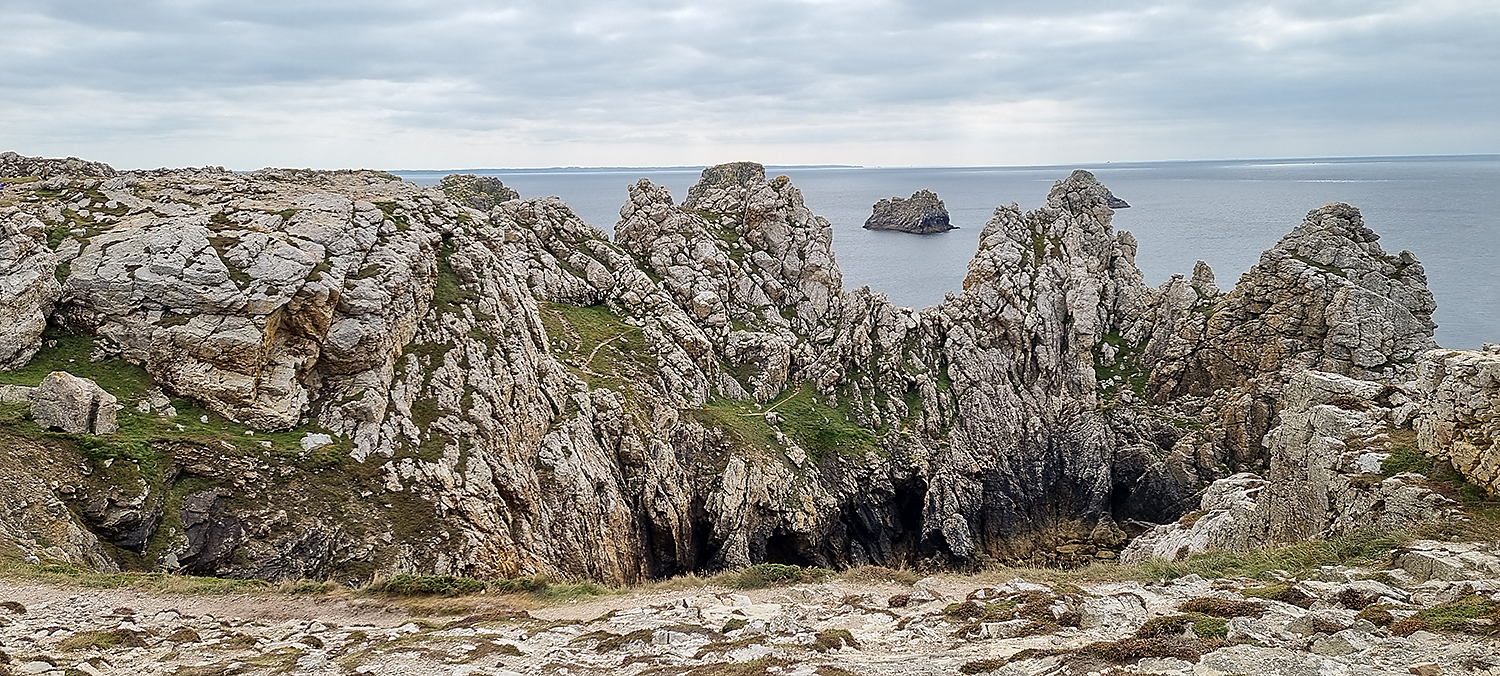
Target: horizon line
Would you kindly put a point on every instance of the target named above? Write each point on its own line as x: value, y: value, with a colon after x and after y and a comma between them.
x: 1097, y: 163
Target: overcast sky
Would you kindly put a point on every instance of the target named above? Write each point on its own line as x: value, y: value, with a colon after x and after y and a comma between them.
x: 457, y: 83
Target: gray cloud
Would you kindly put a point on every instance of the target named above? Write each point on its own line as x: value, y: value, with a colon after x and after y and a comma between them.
x: 414, y: 83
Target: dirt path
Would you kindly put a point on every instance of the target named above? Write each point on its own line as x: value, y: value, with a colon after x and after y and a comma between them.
x: 269, y: 608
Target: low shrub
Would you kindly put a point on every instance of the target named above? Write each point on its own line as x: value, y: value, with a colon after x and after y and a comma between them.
x: 1130, y: 649
x: 834, y: 639
x: 1283, y: 592
x: 1170, y: 626
x: 1218, y: 607
x: 1376, y: 615
x: 102, y: 640
x: 983, y: 666
x: 1473, y: 614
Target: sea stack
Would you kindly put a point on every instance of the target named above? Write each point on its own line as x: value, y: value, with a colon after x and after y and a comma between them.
x: 923, y: 213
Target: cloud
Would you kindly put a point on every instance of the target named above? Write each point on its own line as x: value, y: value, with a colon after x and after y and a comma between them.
x: 441, y: 84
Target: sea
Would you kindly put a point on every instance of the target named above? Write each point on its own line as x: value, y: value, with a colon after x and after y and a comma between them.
x: 1445, y: 209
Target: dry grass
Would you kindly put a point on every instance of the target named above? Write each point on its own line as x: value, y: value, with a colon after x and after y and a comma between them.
x: 102, y: 640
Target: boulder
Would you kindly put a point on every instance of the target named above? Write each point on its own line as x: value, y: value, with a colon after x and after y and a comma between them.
x: 923, y: 214
x: 68, y: 403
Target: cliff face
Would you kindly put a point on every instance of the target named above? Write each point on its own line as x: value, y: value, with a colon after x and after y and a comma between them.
x: 510, y: 391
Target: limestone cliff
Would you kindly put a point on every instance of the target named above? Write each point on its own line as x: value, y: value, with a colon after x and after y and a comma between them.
x: 507, y: 390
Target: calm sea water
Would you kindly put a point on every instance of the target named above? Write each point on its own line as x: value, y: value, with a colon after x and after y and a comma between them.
x: 1444, y: 209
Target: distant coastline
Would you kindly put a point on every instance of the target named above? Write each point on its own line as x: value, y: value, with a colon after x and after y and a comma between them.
x: 601, y: 170
x: 432, y: 175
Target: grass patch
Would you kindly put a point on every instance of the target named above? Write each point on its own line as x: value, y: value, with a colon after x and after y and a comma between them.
x: 1377, y: 615
x: 983, y: 666
x: 1033, y: 606
x: 449, y: 294
x: 159, y: 583
x: 1127, y: 371
x: 102, y: 640
x: 139, y: 431
x: 1283, y: 592
x: 1331, y: 269
x: 1472, y: 614
x: 1204, y: 626
x: 762, y: 575
x: 1358, y: 548
x: 428, y: 585
x: 823, y: 431
x: 1404, y: 459
x: 598, y: 345
x: 538, y: 587
x: 834, y: 639
x: 761, y: 667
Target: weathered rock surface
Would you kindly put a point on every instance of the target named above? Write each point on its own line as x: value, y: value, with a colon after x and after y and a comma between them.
x: 478, y: 192
x: 38, y: 525
x: 67, y: 403
x: 509, y: 391
x: 1347, y: 621
x: 922, y: 214
x: 1324, y: 477
x: 28, y: 286
x: 1461, y: 423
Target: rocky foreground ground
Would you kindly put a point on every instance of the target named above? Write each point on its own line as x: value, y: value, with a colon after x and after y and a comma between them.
x: 1429, y: 611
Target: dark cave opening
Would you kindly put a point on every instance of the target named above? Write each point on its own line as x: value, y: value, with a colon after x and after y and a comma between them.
x: 784, y: 548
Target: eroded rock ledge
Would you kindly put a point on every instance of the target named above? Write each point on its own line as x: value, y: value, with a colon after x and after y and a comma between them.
x: 512, y: 391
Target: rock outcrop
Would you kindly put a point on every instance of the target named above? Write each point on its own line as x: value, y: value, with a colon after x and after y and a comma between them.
x: 1326, y: 297
x: 922, y: 214
x: 1325, y: 476
x: 28, y: 287
x: 1461, y: 423
x: 13, y: 165
x: 507, y: 390
x: 477, y: 192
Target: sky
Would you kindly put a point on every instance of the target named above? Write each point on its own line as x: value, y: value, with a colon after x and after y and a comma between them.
x: 414, y: 84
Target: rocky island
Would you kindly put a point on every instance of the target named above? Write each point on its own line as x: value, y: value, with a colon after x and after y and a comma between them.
x: 341, y: 377
x: 922, y: 214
